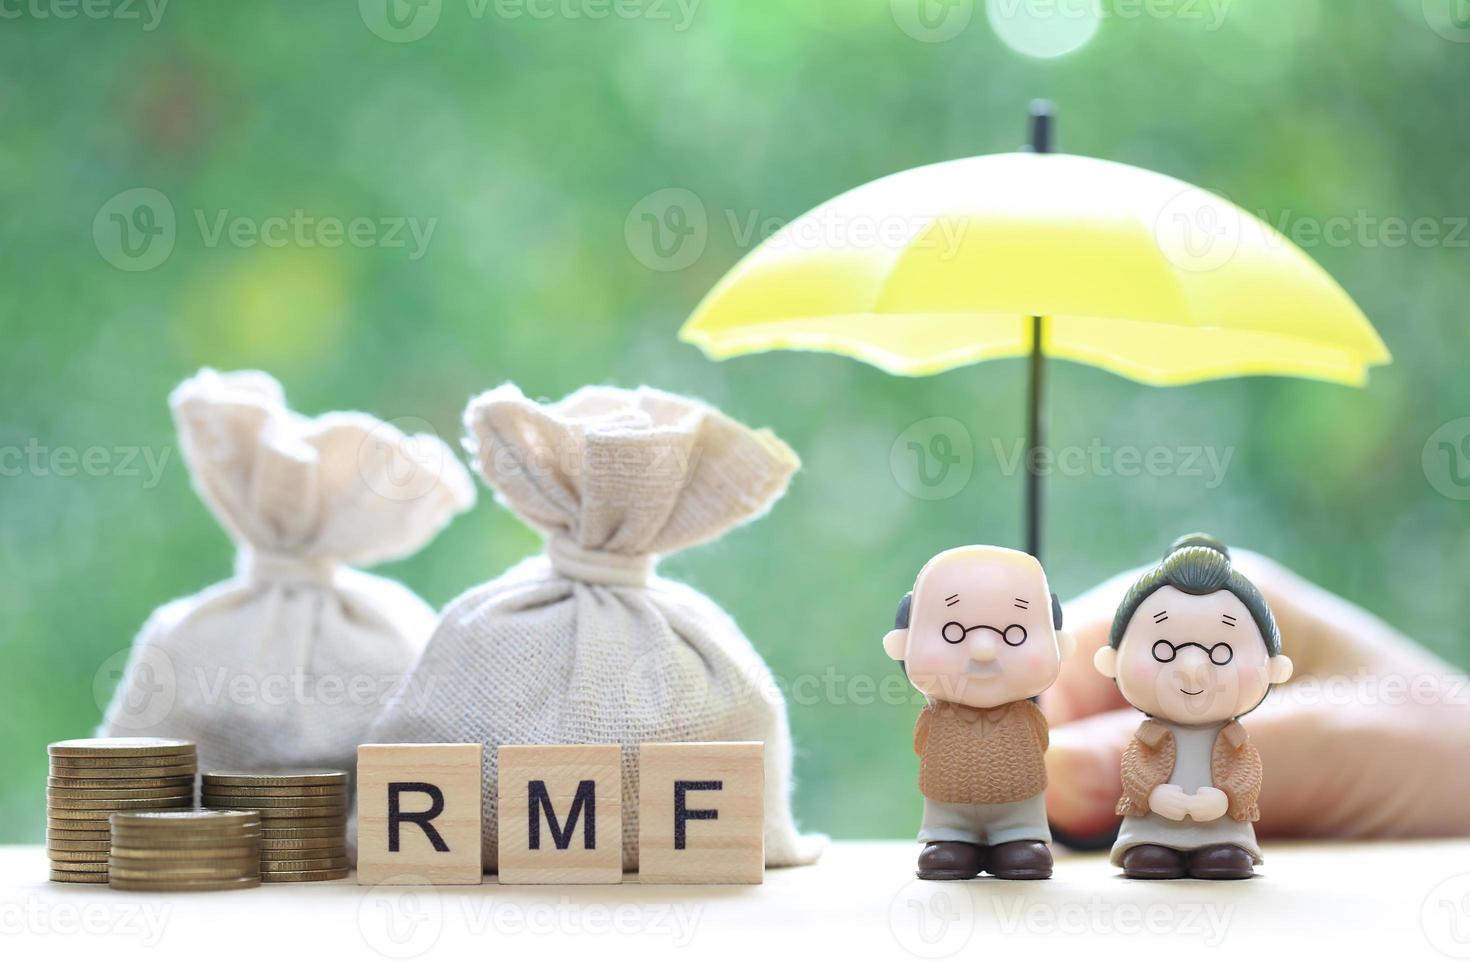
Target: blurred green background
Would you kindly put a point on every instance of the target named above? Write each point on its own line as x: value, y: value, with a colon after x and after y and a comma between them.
x: 532, y: 134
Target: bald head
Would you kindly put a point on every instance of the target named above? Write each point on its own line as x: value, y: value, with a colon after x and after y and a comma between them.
x: 982, y: 628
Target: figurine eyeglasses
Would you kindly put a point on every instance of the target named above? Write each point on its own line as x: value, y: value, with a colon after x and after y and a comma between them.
x: 1013, y: 635
x: 1164, y: 652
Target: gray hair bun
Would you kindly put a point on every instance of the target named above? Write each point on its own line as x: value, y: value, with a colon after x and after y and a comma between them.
x: 1198, y: 540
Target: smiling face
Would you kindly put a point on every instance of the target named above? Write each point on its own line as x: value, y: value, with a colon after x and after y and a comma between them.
x: 980, y: 628
x: 1193, y: 659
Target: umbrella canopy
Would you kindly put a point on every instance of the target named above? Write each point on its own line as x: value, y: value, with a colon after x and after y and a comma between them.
x: 1132, y: 271
x: 1044, y: 255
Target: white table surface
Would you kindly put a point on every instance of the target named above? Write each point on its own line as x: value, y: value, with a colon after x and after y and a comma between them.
x: 1387, y: 910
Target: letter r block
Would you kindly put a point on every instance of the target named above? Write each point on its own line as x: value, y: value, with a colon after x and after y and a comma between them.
x: 418, y: 814
x: 701, y: 812
x: 561, y: 814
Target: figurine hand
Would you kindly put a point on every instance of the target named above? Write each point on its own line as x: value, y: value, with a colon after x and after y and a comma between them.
x: 1169, y: 802
x: 1208, y: 803
x: 1362, y: 692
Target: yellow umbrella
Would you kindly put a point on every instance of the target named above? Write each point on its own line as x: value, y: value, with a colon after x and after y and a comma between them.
x: 1046, y: 255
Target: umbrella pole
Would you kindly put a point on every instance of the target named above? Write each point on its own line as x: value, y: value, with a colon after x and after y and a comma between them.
x: 1035, y: 439
x: 1043, y: 119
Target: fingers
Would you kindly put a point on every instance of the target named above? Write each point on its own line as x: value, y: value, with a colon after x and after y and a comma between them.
x: 1080, y: 690
x: 1332, y: 770
x: 1083, y: 775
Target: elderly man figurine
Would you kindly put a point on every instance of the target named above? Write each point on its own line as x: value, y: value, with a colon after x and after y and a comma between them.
x: 1193, y: 646
x: 980, y: 636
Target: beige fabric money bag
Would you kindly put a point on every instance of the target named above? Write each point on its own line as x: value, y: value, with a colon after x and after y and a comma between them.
x: 585, y: 643
x: 288, y: 662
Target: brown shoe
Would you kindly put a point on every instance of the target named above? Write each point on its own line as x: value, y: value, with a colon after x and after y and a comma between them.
x: 1153, y: 862
x: 950, y: 860
x: 1020, y: 860
x: 1223, y: 862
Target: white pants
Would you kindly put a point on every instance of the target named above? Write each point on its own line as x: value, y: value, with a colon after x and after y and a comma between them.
x: 985, y: 823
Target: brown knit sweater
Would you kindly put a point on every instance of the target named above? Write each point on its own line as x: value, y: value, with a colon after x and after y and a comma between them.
x: 981, y: 755
x: 1235, y: 769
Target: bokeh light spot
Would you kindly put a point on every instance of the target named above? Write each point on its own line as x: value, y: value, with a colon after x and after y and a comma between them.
x: 1044, y: 28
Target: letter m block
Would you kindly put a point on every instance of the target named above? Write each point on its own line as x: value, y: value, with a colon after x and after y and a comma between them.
x: 560, y: 815
x: 418, y: 814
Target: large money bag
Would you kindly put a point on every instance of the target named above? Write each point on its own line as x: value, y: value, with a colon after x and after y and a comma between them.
x: 288, y: 662
x: 585, y: 642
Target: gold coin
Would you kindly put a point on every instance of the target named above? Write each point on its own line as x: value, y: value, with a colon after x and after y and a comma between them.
x: 87, y: 783
x: 304, y: 864
x: 214, y: 885
x: 79, y: 819
x: 282, y: 779
x: 180, y: 832
x: 101, y: 845
x: 70, y: 835
x: 244, y: 832
x: 124, y: 772
x: 196, y: 817
x: 275, y: 807
x: 104, y: 809
x: 330, y: 794
x: 176, y: 846
x: 53, y: 824
x: 280, y: 807
x: 80, y: 877
x: 288, y: 812
x: 202, y: 871
x: 273, y: 820
x: 185, y: 861
x: 114, y: 760
x: 131, y: 746
x: 119, y: 792
x: 338, y: 839
x: 97, y: 810
x: 84, y: 857
x: 333, y: 874
x: 91, y: 867
x: 180, y: 853
x: 302, y: 843
x: 273, y: 792
x: 334, y: 857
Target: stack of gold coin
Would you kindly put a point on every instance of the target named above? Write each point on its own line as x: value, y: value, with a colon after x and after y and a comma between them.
x: 185, y: 850
x: 93, y: 778
x: 303, y: 819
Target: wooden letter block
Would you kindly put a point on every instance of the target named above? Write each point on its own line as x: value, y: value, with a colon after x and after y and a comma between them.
x: 418, y: 813
x: 701, y: 813
x: 561, y: 814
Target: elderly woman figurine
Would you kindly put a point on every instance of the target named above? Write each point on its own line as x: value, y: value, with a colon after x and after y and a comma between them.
x: 1193, y: 646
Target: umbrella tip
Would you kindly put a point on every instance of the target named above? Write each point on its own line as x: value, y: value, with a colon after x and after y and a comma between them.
x: 1043, y: 125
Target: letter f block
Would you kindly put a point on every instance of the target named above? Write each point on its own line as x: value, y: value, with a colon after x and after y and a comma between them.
x: 418, y: 814
x: 561, y: 815
x: 701, y: 813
